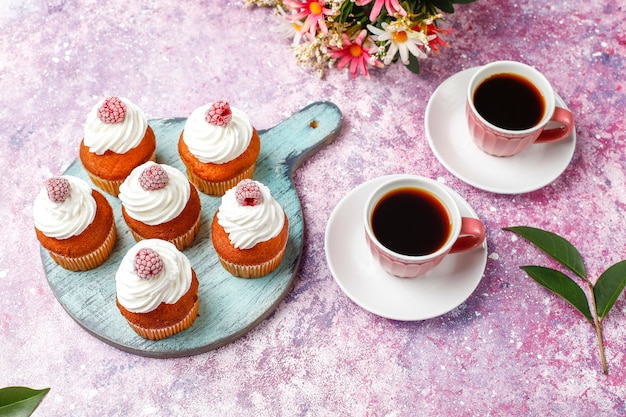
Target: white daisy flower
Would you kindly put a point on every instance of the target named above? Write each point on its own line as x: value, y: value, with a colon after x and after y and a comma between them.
x: 399, y: 37
x: 289, y: 29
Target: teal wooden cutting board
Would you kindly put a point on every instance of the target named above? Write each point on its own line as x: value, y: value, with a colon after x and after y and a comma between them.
x: 229, y: 307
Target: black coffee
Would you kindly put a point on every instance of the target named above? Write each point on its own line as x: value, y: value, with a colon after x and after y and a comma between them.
x: 411, y: 221
x: 509, y: 101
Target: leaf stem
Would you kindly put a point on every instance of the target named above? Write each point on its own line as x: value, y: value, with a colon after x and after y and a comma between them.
x: 598, y: 326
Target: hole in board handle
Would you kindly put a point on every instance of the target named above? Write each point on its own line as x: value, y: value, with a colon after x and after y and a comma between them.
x: 314, y: 124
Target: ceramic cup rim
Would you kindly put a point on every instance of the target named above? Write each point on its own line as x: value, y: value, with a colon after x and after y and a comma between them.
x: 524, y: 70
x: 414, y: 181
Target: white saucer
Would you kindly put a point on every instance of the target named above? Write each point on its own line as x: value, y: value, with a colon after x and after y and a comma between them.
x: 368, y: 285
x: 448, y: 136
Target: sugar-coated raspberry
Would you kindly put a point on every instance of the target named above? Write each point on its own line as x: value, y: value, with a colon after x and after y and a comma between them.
x: 153, y: 178
x: 58, y: 189
x: 147, y: 264
x: 219, y: 113
x: 248, y: 193
x: 112, y: 111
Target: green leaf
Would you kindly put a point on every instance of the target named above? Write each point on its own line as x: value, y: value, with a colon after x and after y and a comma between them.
x: 608, y: 287
x: 562, y: 285
x: 414, y: 64
x: 20, y: 401
x: 555, y: 246
x: 345, y: 11
x: 444, y: 5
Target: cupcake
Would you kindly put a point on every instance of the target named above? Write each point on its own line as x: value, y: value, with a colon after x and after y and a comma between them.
x: 156, y: 289
x: 117, y: 139
x: 219, y: 147
x: 159, y: 202
x: 74, y: 223
x: 249, y: 230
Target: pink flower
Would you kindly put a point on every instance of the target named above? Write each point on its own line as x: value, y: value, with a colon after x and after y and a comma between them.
x: 313, y: 11
x: 355, y: 54
x: 392, y: 6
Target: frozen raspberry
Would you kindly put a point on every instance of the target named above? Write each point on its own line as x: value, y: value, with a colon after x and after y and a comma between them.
x: 58, y: 189
x: 112, y: 111
x: 248, y: 193
x: 219, y: 113
x: 153, y: 178
x: 147, y: 264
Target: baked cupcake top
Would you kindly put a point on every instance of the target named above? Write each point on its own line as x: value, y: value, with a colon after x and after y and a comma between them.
x: 152, y: 272
x: 154, y: 193
x: 217, y: 133
x: 114, y: 124
x: 249, y: 214
x: 64, y: 207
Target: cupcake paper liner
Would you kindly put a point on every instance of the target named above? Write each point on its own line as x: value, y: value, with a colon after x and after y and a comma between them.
x: 253, y: 271
x: 91, y: 260
x: 218, y: 188
x: 181, y: 242
x: 164, y: 332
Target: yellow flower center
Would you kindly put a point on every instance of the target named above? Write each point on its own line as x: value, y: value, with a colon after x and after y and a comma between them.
x: 315, y: 8
x: 356, y: 51
x: 400, y: 36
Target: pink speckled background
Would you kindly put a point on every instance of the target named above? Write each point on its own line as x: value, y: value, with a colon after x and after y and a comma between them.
x: 511, y: 349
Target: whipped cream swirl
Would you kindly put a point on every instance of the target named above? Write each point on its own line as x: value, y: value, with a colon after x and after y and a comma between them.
x: 144, y: 295
x: 217, y: 144
x: 69, y: 218
x: 248, y: 225
x: 116, y: 137
x: 154, y: 207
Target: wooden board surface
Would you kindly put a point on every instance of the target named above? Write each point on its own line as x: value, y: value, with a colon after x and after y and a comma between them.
x: 229, y: 307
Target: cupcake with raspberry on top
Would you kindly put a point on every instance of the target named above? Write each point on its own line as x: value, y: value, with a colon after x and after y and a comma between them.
x: 250, y: 230
x: 159, y: 202
x: 117, y: 139
x: 74, y: 223
x: 219, y: 147
x: 157, y: 289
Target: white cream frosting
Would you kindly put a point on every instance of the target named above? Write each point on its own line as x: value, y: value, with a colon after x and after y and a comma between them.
x: 154, y: 207
x: 144, y: 295
x: 217, y: 144
x: 248, y: 225
x: 69, y: 218
x: 116, y: 137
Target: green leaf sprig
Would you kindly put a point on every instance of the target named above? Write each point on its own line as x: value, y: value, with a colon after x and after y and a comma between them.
x: 20, y: 401
x: 604, y: 293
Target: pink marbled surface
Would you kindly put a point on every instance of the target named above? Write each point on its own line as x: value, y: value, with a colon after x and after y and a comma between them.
x: 511, y: 349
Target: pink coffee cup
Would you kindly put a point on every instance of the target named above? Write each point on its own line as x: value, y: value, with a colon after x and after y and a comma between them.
x: 412, y: 223
x: 491, y: 135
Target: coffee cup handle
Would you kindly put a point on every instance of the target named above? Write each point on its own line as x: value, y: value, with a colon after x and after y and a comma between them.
x: 472, y: 235
x: 566, y: 120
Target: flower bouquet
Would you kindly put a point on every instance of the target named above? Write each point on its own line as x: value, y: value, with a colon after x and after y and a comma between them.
x: 357, y: 34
